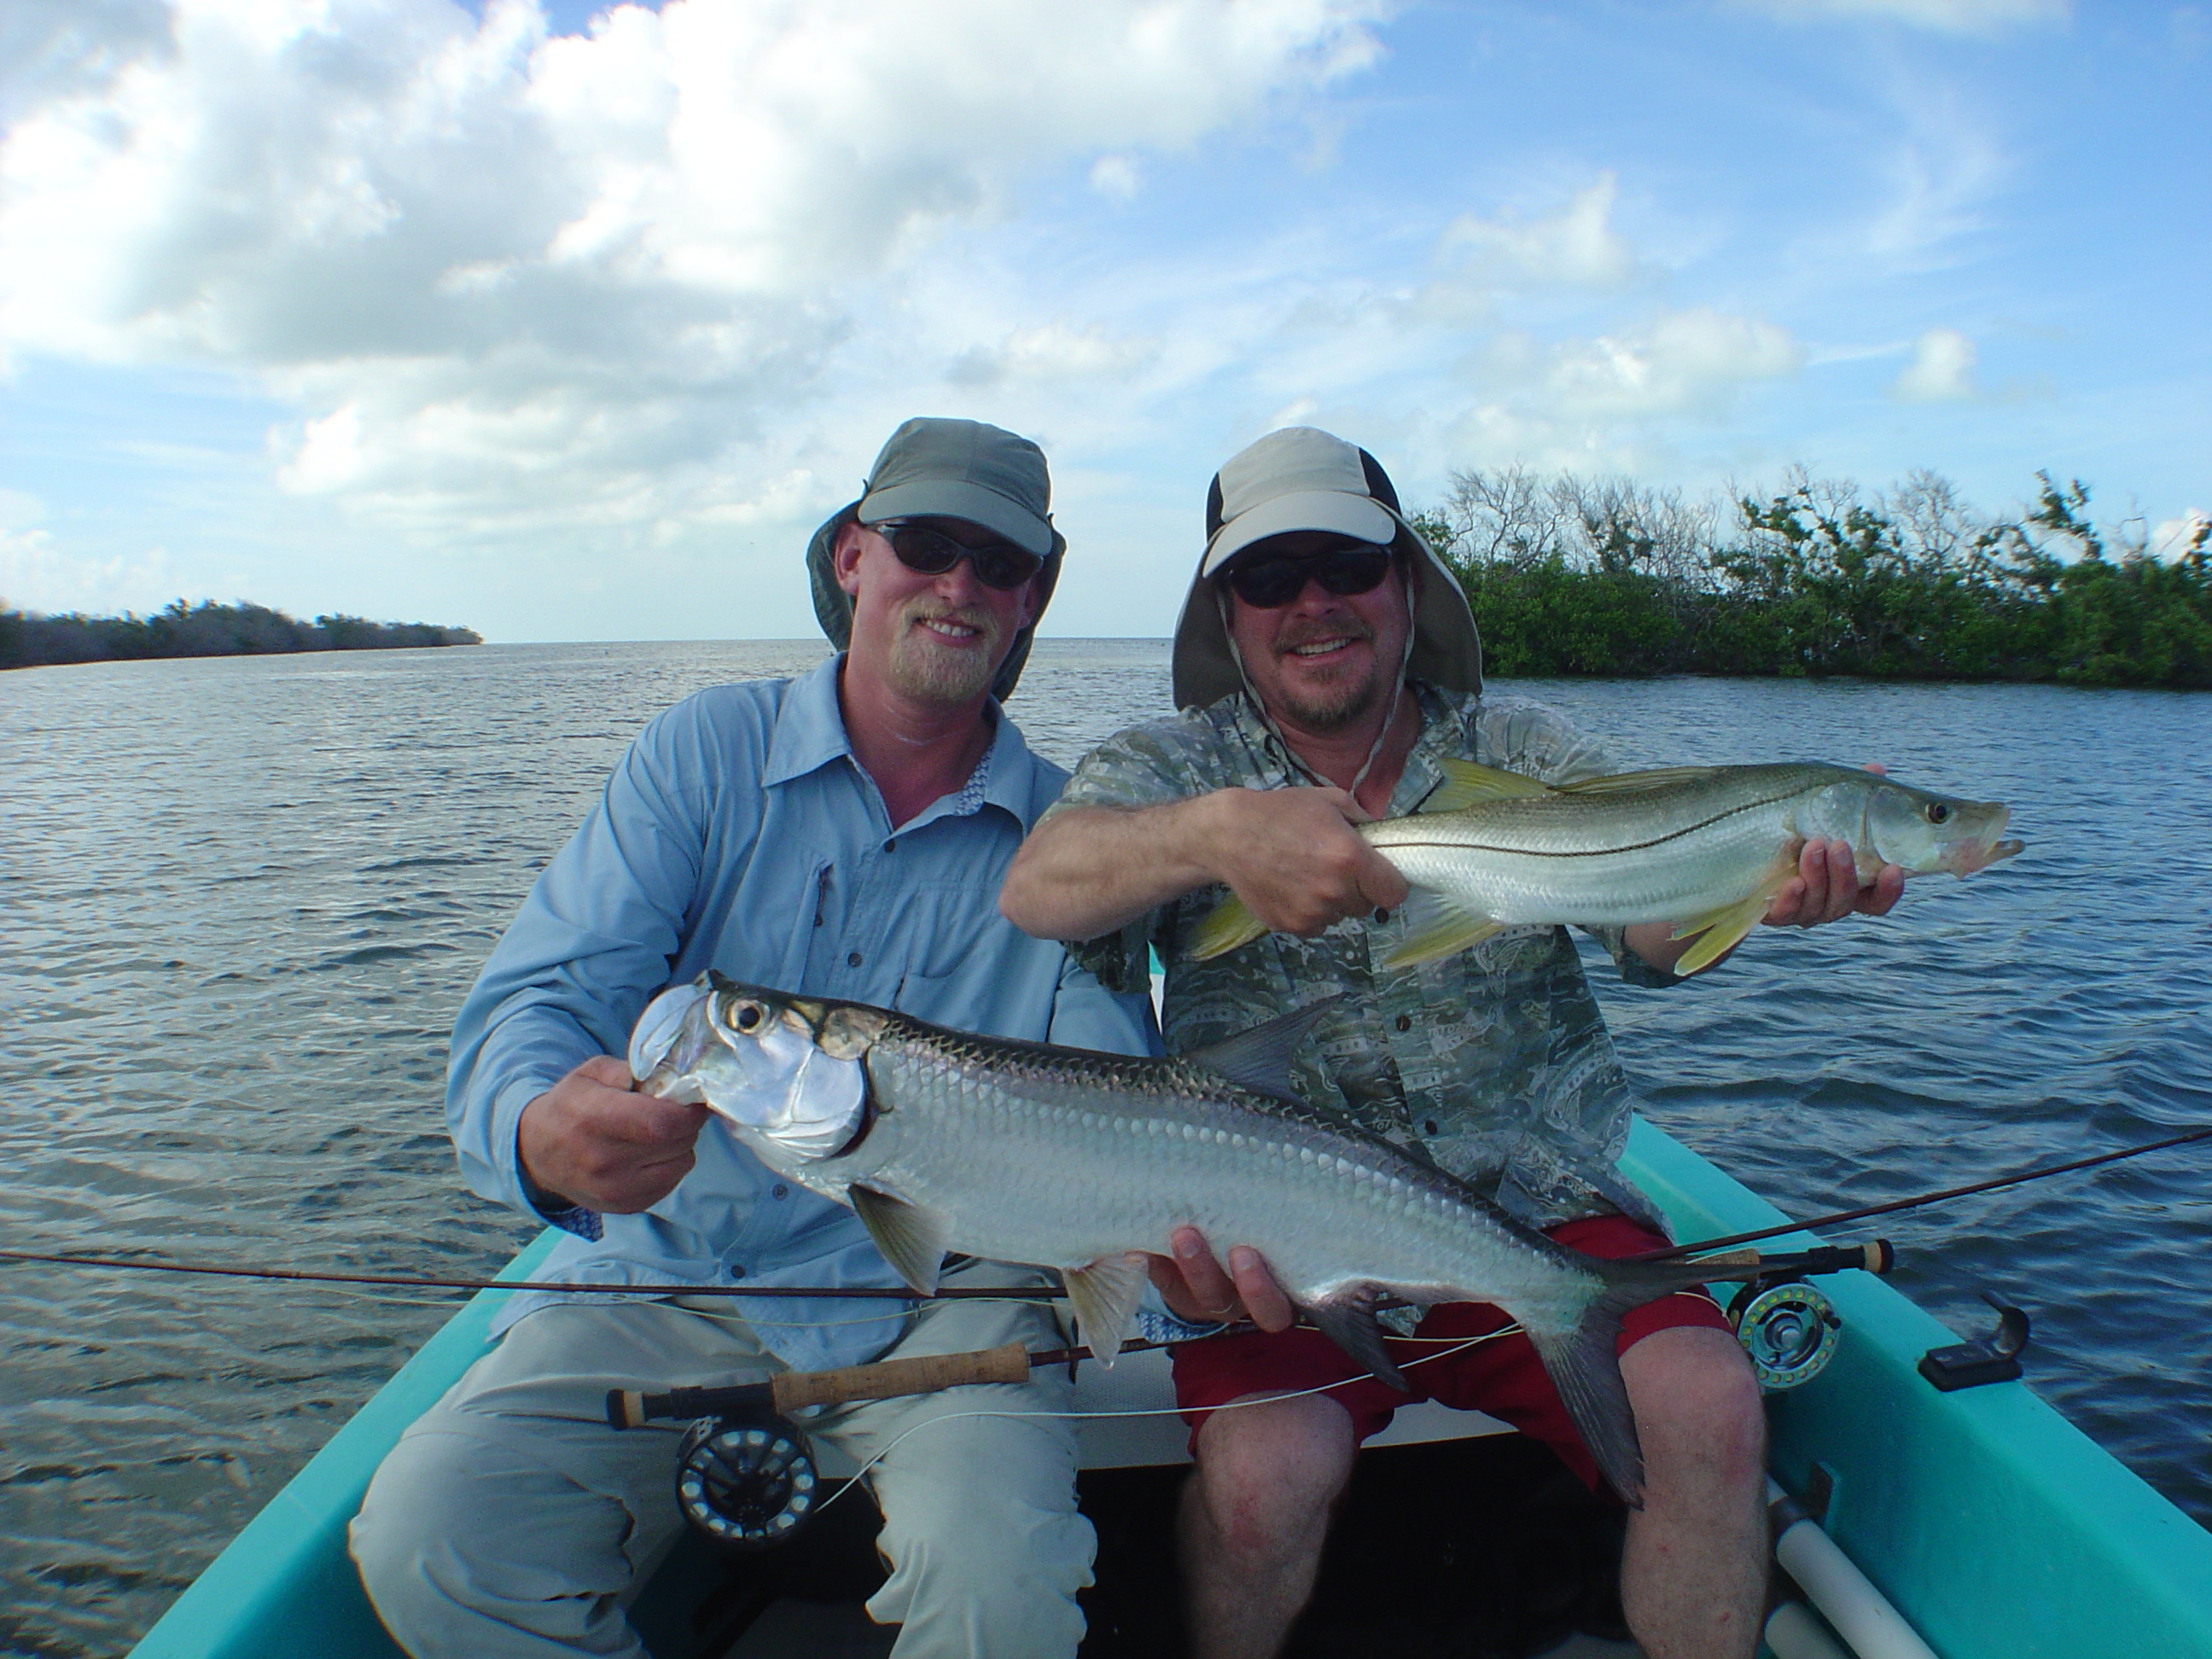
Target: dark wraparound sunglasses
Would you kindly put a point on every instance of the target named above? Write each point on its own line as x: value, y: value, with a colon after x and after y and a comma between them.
x: 929, y: 552
x: 1268, y: 583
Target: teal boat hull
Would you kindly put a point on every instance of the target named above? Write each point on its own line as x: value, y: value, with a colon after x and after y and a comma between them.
x: 1996, y: 1527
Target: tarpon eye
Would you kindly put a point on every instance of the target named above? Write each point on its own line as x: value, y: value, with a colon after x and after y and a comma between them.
x: 745, y: 1016
x: 1937, y: 812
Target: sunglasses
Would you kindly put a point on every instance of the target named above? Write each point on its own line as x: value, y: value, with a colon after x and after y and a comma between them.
x: 929, y: 552
x: 1271, y: 582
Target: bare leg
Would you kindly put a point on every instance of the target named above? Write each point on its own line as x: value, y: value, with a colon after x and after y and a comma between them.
x: 1693, y: 1575
x: 1255, y: 1513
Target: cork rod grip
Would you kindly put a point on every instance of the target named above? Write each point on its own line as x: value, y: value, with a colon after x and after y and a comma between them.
x: 924, y: 1374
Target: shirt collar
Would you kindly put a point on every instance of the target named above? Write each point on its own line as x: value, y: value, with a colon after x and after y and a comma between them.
x: 809, y: 733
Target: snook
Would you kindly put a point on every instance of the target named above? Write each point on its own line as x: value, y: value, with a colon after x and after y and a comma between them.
x: 1078, y: 1161
x: 1704, y: 848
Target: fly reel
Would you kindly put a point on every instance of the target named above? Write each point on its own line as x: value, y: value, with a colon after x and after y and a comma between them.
x: 747, y: 1480
x: 1788, y: 1327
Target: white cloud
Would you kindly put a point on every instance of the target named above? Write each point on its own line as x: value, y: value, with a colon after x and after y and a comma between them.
x: 1941, y: 369
x: 1578, y: 248
x: 1691, y: 360
x: 2174, y: 536
x: 512, y: 280
x: 1948, y: 16
x: 38, y: 575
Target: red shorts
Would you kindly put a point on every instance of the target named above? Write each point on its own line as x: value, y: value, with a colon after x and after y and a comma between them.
x: 1502, y: 1377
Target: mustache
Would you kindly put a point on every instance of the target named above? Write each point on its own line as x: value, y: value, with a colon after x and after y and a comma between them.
x: 975, y: 616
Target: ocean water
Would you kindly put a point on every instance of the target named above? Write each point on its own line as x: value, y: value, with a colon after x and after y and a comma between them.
x: 240, y: 900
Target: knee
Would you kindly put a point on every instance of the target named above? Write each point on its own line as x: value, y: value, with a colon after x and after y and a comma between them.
x: 1698, y: 1406
x: 1268, y: 1475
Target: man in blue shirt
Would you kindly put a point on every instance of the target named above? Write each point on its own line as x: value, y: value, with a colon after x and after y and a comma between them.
x: 843, y: 833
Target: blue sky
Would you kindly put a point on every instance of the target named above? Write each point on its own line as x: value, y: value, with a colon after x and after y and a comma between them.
x: 572, y: 326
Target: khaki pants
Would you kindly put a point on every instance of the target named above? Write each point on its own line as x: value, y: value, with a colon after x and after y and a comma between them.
x: 510, y: 1520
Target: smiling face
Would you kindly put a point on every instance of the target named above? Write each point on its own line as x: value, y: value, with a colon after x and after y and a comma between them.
x: 1323, y: 662
x: 934, y: 639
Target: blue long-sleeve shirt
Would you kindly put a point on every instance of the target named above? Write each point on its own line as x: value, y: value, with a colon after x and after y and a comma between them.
x: 739, y: 832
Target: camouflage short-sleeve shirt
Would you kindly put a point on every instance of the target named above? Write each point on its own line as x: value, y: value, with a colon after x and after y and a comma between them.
x: 1495, y: 1063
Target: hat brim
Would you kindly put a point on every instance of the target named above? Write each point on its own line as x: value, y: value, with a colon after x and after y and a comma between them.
x: 956, y: 498
x: 1332, y: 511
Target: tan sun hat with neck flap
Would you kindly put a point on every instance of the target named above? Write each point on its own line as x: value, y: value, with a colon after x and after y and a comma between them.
x: 1302, y: 478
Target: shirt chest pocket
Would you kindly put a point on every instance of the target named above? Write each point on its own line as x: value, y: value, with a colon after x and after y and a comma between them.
x: 963, y: 958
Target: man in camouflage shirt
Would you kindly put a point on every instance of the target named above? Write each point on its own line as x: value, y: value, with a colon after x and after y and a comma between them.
x: 1325, y: 663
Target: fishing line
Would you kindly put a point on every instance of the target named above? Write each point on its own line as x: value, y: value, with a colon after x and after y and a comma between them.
x: 1843, y: 1216
x: 1461, y: 1344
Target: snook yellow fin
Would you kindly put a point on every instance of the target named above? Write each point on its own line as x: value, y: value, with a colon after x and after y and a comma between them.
x: 1725, y: 928
x: 1227, y: 925
x: 1436, y: 927
x: 1467, y: 783
x: 1630, y: 783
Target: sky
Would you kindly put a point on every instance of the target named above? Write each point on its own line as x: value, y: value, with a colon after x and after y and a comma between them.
x: 571, y: 323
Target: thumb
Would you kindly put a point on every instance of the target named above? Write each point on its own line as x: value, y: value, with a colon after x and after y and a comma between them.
x: 607, y: 1072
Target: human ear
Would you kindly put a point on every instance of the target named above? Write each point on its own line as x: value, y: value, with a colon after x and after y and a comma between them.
x: 845, y: 558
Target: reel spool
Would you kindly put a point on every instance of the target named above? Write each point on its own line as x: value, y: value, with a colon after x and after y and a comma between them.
x: 747, y: 1481
x: 1788, y: 1327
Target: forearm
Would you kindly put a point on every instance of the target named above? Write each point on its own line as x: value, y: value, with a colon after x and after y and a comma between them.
x: 1654, y: 942
x: 1093, y: 869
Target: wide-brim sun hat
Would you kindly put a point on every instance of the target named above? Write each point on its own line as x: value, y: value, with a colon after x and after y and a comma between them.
x: 1300, y: 478
x: 935, y: 468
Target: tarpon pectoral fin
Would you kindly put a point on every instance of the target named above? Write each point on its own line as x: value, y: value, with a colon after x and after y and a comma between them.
x: 1349, y: 1322
x: 1630, y: 783
x: 1437, y: 926
x: 1260, y: 1059
x: 1467, y: 783
x: 912, y: 1239
x: 1105, y: 1295
x: 1224, y: 927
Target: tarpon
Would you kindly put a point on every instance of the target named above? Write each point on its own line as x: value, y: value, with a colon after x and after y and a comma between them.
x: 1081, y: 1161
x: 1704, y: 848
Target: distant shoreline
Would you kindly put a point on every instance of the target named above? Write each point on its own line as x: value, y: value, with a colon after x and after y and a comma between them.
x: 29, y: 640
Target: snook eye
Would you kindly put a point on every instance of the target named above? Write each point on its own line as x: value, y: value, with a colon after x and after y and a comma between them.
x: 1937, y: 812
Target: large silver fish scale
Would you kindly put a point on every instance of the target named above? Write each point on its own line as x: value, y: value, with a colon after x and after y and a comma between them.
x: 1060, y: 1158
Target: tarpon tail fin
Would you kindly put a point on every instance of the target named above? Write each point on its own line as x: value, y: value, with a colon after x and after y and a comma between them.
x: 1225, y: 926
x: 1585, y: 1366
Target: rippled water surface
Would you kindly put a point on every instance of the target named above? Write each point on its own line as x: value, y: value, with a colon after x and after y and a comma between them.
x: 243, y: 897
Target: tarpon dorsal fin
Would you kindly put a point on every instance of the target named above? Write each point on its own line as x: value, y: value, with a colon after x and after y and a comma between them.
x: 1466, y: 783
x: 1260, y: 1059
x: 911, y: 1239
x: 1105, y: 1295
x: 1437, y: 926
x: 1630, y: 783
x: 1349, y: 1322
x: 1222, y: 928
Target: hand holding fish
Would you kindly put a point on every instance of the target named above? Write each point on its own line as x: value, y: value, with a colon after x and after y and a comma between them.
x: 592, y: 1139
x: 1294, y: 858
x: 1199, y: 1290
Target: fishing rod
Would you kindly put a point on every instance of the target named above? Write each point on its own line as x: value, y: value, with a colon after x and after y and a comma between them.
x: 1052, y: 1292
x: 1841, y: 1217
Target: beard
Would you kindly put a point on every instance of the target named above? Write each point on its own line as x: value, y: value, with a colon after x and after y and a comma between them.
x: 1338, y: 701
x: 930, y: 670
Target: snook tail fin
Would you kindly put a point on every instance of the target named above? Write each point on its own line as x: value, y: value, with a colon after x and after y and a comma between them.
x: 1586, y: 1369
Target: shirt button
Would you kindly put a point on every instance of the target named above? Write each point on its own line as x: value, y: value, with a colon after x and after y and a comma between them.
x: 737, y: 1270
x: 779, y: 1191
x: 1404, y: 1023
x: 852, y: 958
x: 892, y: 845
x: 1382, y: 917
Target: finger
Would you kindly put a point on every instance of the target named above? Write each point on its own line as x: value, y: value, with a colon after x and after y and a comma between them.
x: 1877, y: 767
x: 1782, y: 910
x: 647, y: 1121
x: 1263, y: 1299
x: 1342, y: 800
x: 1211, y: 1294
x: 606, y: 1071
x: 1380, y: 884
x: 1887, y: 887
